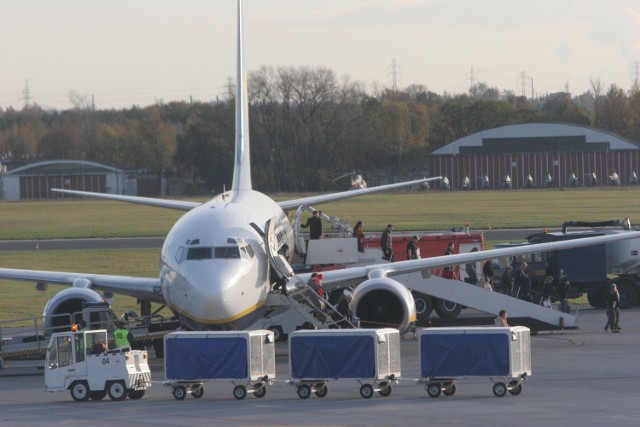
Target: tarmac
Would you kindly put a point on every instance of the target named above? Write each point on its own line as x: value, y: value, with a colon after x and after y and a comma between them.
x: 583, y: 377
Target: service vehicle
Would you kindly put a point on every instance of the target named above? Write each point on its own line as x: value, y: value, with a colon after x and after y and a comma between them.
x: 589, y: 269
x: 85, y: 364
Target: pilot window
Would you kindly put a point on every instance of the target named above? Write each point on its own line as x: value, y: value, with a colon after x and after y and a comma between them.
x: 227, y: 252
x: 199, y: 253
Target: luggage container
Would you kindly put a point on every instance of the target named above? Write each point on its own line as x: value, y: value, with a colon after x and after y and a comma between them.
x: 371, y: 356
x: 247, y: 358
x: 502, y: 354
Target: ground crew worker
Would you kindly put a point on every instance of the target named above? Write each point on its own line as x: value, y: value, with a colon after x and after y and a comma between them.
x: 123, y: 337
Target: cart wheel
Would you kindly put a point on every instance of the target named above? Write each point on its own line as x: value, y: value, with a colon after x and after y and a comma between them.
x: 117, y: 391
x: 385, y: 389
x: 304, y: 391
x: 239, y: 392
x: 434, y: 389
x: 449, y: 389
x: 366, y: 391
x: 500, y: 389
x: 322, y: 389
x: 197, y: 392
x: 515, y: 387
x: 259, y: 390
x: 179, y: 392
x: 80, y: 391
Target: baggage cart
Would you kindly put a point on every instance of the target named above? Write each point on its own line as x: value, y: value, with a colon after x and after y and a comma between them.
x: 246, y: 358
x: 501, y: 353
x: 371, y: 356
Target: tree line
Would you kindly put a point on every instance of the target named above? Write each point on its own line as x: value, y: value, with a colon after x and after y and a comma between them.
x: 308, y: 128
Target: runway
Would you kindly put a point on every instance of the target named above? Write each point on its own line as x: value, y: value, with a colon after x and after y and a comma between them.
x: 584, y: 377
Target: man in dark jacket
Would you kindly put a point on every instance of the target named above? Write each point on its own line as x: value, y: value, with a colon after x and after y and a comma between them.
x: 522, y: 283
x: 413, y: 252
x: 386, y: 244
x: 315, y: 226
x: 612, y: 299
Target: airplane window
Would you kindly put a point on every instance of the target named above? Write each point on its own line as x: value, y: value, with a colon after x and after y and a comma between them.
x: 199, y: 253
x: 227, y: 252
x: 180, y: 255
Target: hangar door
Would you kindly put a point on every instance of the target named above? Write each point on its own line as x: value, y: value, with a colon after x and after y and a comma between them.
x: 39, y: 187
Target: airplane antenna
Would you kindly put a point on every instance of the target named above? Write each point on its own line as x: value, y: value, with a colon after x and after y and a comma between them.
x: 242, y: 167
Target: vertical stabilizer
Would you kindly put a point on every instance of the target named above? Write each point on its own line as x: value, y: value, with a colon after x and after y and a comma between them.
x: 242, y: 164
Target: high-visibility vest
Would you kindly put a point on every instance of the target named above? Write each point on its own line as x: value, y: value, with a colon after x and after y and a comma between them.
x: 120, y: 336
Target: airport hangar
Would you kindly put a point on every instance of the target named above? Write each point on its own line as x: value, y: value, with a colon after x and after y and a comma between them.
x: 35, y: 181
x: 537, y: 149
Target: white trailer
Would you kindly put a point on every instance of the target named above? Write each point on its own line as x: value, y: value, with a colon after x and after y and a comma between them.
x: 246, y: 358
x: 82, y: 363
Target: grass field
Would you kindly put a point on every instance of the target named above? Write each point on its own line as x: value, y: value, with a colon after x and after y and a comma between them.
x: 408, y: 211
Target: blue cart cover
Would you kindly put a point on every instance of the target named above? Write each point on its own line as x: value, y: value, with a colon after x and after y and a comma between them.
x: 333, y: 356
x: 460, y: 355
x: 206, y: 358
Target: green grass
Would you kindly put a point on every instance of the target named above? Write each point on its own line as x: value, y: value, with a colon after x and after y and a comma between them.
x: 407, y: 211
x: 20, y: 299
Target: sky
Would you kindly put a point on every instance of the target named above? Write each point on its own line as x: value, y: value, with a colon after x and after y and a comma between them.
x: 141, y: 52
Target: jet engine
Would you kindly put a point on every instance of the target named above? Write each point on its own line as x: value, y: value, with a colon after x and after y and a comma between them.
x: 384, y: 303
x: 58, y: 312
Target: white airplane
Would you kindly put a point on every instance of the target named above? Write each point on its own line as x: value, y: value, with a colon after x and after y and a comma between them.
x: 218, y: 260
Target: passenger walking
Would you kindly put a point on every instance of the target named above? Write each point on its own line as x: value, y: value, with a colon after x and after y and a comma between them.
x: 487, y: 272
x: 359, y: 235
x: 413, y: 251
x: 507, y: 281
x: 522, y: 283
x: 470, y: 269
x: 448, y: 272
x: 315, y: 226
x: 547, y: 290
x: 386, y: 243
x: 563, y: 295
x: 612, y: 300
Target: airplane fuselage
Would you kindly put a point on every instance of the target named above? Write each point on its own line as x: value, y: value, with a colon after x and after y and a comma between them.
x: 214, y: 270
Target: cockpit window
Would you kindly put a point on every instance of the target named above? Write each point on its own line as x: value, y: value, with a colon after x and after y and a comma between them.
x: 227, y: 252
x: 199, y: 253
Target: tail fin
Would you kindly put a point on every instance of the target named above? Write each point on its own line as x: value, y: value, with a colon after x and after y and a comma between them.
x: 242, y: 164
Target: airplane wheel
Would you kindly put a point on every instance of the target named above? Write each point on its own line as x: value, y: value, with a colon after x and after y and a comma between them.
x: 434, y: 389
x: 366, y: 391
x: 449, y: 390
x: 322, y: 390
x: 179, y: 392
x: 259, y: 390
x: 239, y: 392
x: 447, y: 309
x: 197, y: 392
x: 304, y: 391
x: 515, y: 387
x: 80, y: 391
x: 117, y: 391
x: 500, y: 389
x: 385, y: 389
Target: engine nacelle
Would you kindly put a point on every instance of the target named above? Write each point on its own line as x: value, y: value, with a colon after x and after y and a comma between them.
x: 384, y: 303
x: 57, y: 313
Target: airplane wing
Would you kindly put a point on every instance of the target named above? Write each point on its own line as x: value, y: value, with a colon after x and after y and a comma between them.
x: 137, y: 287
x: 149, y: 201
x: 324, y: 198
x: 355, y: 275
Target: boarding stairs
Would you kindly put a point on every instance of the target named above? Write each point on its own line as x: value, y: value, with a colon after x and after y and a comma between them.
x: 314, y: 309
x: 484, y: 299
